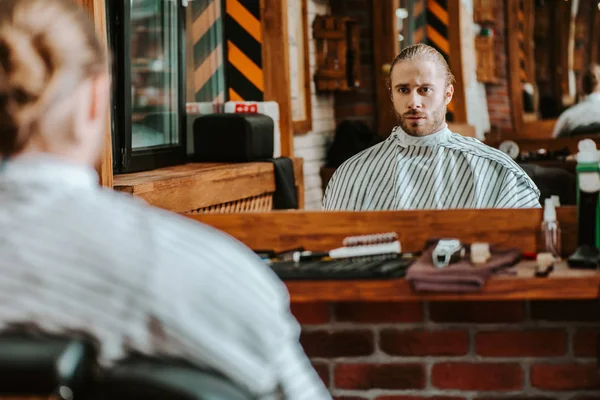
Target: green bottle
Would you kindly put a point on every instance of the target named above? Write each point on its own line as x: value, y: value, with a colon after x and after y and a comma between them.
x: 588, y: 206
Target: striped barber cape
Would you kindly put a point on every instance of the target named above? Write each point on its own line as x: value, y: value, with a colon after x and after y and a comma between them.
x: 443, y: 170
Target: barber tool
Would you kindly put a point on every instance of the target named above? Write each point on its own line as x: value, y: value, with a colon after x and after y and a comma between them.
x: 447, y: 251
x: 480, y: 253
x: 358, y: 246
x: 544, y: 265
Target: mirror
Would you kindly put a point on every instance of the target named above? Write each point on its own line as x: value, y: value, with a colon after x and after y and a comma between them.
x: 547, y: 62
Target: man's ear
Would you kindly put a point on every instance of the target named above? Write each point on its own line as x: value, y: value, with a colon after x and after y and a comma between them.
x: 449, y: 93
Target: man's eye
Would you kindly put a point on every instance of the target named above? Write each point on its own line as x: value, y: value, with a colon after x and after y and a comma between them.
x: 403, y: 90
x: 426, y: 89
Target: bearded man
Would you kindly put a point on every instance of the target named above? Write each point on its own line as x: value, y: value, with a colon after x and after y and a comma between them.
x: 422, y: 164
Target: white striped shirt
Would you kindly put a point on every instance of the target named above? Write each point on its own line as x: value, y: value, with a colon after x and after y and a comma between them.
x: 443, y: 170
x: 79, y: 257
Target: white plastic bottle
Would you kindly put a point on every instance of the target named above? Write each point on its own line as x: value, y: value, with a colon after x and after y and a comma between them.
x: 551, y: 229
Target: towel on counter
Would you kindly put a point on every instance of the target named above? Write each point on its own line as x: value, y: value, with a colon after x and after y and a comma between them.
x: 461, y: 276
x: 285, y: 196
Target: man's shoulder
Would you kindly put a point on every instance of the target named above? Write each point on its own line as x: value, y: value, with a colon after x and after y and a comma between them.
x: 365, y: 157
x: 478, y: 149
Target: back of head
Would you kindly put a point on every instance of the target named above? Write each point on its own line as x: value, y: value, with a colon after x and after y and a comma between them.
x: 47, y: 48
x: 423, y: 52
x: 590, y: 80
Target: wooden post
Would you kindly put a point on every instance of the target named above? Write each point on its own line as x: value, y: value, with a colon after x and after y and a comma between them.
x: 97, y: 9
x: 276, y: 66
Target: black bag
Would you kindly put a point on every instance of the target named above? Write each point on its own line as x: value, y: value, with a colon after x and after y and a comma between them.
x: 232, y: 137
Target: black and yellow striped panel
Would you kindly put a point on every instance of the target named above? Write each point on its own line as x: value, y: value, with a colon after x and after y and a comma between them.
x: 207, y: 36
x: 244, y: 73
x: 437, y: 35
x: 437, y: 26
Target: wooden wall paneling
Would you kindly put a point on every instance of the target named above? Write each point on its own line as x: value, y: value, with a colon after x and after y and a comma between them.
x: 529, y: 25
x: 594, y: 45
x: 305, y: 125
x: 512, y: 47
x: 456, y: 61
x: 276, y: 66
x: 324, y: 231
x: 97, y: 9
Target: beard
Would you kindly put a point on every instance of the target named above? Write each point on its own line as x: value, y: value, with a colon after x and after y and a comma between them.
x: 421, y: 127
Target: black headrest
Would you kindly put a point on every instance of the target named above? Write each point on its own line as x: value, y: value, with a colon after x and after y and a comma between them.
x: 32, y: 365
x: 151, y: 379
x: 553, y: 181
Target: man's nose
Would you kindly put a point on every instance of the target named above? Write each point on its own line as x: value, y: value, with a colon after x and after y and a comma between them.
x: 414, y: 101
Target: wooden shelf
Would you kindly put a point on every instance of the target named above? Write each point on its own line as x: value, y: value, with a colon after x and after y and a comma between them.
x: 193, y: 186
x: 319, y: 231
x: 563, y: 284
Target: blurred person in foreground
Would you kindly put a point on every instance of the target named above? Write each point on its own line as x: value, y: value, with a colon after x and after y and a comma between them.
x: 76, y: 257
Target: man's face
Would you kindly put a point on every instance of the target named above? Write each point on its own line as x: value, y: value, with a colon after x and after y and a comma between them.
x: 420, y: 96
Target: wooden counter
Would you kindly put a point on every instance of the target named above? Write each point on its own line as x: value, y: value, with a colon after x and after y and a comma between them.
x: 201, y: 187
x: 326, y: 230
x: 563, y: 283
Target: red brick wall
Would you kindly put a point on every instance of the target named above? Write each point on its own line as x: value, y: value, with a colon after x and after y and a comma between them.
x: 454, y: 350
x: 360, y: 104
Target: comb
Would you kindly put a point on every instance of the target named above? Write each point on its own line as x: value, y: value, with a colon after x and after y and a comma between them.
x: 381, y: 244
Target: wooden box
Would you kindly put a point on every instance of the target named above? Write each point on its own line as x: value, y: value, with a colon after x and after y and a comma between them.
x: 338, y: 53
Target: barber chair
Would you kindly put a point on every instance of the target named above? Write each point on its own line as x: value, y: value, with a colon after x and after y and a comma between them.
x: 152, y: 379
x: 40, y: 367
x: 553, y: 181
x: 57, y: 368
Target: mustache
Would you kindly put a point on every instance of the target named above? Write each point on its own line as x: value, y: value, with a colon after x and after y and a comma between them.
x: 414, y: 113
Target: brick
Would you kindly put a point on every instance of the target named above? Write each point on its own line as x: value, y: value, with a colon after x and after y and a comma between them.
x: 323, y: 371
x: 477, y: 376
x: 311, y: 313
x: 584, y: 398
x: 585, y: 342
x: 338, y: 344
x: 424, y: 343
x: 418, y: 398
x: 379, y: 376
x: 571, y: 310
x: 532, y: 343
x: 349, y: 398
x: 515, y: 398
x: 361, y: 312
x: 478, y: 312
x: 565, y: 376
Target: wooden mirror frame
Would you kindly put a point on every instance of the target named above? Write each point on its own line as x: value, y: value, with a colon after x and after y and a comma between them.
x: 303, y: 125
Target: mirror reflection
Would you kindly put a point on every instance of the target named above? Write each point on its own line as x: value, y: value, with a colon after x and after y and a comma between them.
x: 423, y: 164
x: 559, y: 67
x: 406, y: 104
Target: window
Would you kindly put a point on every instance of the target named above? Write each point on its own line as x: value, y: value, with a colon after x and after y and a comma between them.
x: 167, y: 53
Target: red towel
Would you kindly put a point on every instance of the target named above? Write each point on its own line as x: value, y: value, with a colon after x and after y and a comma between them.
x: 461, y: 276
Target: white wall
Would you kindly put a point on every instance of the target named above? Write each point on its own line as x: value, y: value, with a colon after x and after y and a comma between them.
x: 312, y: 146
